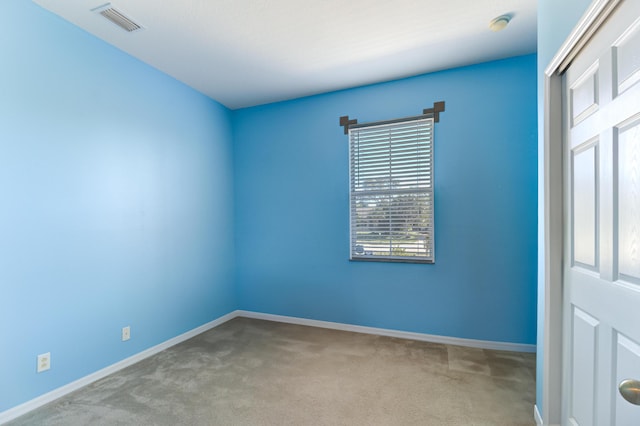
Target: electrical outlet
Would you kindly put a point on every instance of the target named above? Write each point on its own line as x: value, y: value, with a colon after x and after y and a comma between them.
x: 44, y: 362
x: 126, y: 333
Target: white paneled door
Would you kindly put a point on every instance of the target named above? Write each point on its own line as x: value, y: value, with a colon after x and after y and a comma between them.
x: 602, y: 226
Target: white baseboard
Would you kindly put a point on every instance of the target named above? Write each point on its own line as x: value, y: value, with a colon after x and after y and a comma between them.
x: 483, y: 344
x: 537, y: 416
x: 21, y: 409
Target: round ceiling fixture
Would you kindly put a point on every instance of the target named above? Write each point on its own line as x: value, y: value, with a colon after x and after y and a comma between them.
x: 499, y: 23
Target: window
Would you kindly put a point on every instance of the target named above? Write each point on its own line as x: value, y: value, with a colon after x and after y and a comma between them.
x: 391, y: 190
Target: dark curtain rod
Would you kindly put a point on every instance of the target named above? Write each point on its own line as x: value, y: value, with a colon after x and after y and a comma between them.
x: 395, y: 120
x: 434, y: 112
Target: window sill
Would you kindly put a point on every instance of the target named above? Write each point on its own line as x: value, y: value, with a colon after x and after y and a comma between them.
x: 390, y: 260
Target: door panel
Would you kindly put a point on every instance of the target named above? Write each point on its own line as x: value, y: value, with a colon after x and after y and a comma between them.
x: 584, y: 95
x: 627, y: 364
x: 627, y: 58
x: 629, y: 202
x: 585, y: 172
x: 585, y: 338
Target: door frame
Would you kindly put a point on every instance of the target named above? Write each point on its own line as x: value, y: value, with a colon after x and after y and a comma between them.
x: 552, y: 356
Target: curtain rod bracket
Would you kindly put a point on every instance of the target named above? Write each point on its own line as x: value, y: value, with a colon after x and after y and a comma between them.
x: 438, y: 107
x: 345, y: 122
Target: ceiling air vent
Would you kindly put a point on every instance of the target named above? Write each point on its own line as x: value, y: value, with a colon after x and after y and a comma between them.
x: 117, y: 18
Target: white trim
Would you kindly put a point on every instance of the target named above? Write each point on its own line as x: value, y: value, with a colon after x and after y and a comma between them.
x: 48, y: 397
x: 22, y: 409
x: 553, y: 234
x: 582, y: 32
x: 483, y: 344
x: 537, y: 416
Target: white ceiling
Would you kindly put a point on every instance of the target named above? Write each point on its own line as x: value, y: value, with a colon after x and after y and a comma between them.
x: 250, y: 52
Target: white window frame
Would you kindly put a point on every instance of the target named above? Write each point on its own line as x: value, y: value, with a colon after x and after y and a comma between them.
x: 391, y: 212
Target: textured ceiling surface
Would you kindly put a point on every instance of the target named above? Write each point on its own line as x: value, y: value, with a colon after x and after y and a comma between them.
x: 250, y: 52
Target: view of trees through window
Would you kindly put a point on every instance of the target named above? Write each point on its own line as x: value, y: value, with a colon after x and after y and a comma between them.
x: 393, y: 224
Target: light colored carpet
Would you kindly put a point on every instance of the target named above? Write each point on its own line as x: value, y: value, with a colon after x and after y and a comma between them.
x: 252, y: 372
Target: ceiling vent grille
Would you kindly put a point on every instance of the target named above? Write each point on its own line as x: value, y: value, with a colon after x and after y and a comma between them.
x: 117, y: 18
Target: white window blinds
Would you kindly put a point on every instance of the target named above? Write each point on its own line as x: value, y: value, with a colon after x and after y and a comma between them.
x: 391, y: 197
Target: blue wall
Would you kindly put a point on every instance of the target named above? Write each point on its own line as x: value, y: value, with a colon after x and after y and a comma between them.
x: 556, y: 20
x: 115, y: 204
x: 291, y: 199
